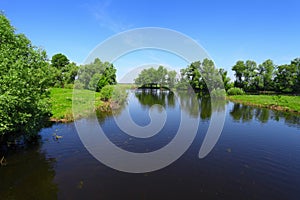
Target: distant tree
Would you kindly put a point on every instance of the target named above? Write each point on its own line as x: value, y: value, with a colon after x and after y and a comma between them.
x: 285, y: 79
x: 193, y: 75
x: 96, y: 75
x: 160, y: 76
x: 211, y: 77
x: 239, y: 69
x: 265, y: 75
x: 296, y: 64
x: 108, y: 77
x: 24, y: 79
x: 201, y: 76
x: 63, y: 71
x: 250, y: 73
x: 171, y: 79
x: 225, y: 79
x: 59, y: 61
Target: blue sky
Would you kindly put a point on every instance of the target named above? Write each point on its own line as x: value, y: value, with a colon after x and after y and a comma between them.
x: 228, y: 30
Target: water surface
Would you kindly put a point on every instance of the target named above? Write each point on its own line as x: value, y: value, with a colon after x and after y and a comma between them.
x: 256, y: 157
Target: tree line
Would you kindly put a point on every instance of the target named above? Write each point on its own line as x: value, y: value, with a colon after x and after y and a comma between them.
x: 249, y: 76
x: 267, y: 76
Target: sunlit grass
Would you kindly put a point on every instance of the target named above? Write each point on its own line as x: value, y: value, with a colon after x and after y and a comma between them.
x: 278, y: 102
x: 61, y: 100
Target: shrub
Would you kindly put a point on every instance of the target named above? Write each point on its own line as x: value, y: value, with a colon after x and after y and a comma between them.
x: 235, y: 91
x: 69, y: 86
x: 119, y: 95
x: 106, y: 92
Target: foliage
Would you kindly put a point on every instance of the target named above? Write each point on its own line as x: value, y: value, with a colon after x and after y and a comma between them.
x: 203, y: 76
x: 160, y: 76
x: 225, y: 79
x: 267, y: 76
x: 63, y: 71
x: 24, y: 78
x: 96, y: 75
x: 286, y: 78
x: 59, y: 61
x: 106, y: 92
x: 235, y: 91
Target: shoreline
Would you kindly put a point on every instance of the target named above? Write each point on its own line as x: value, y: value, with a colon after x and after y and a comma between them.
x: 273, y: 105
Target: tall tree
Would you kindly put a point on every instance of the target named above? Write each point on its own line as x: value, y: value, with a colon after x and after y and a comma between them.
x: 239, y: 69
x: 59, y: 61
x: 225, y: 79
x: 250, y: 73
x: 24, y: 78
x: 265, y: 75
x: 296, y: 64
x: 193, y: 75
x: 285, y: 78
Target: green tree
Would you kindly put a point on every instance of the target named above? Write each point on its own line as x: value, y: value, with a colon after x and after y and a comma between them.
x: 250, y: 73
x: 63, y: 71
x: 108, y: 77
x: 96, y: 75
x: 225, y: 79
x: 171, y: 78
x: 296, y: 65
x: 24, y: 79
x: 265, y: 75
x: 239, y: 69
x: 285, y: 79
x: 194, y: 76
x: 160, y: 76
x: 59, y: 61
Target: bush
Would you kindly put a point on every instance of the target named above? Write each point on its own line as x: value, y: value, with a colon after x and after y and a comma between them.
x: 69, y: 86
x: 235, y: 91
x: 106, y: 92
x: 24, y: 79
x: 119, y: 95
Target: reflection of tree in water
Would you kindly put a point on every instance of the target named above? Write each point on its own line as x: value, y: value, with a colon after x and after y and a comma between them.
x: 28, y: 175
x: 246, y: 113
x: 197, y: 104
x: 290, y: 119
x: 262, y: 115
x: 189, y: 103
x: 150, y: 97
x: 242, y: 112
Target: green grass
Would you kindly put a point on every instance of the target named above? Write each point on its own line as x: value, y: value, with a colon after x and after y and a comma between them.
x: 85, y: 102
x: 277, y: 102
x: 61, y: 101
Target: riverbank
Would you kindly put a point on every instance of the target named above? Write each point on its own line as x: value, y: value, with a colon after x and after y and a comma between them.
x: 275, y: 102
x: 61, y: 100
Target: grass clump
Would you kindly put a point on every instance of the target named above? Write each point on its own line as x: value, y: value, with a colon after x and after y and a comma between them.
x: 235, y: 91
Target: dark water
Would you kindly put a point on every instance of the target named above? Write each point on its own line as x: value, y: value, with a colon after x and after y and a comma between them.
x: 256, y: 157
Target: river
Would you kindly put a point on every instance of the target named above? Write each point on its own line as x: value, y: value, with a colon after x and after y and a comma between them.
x: 257, y: 156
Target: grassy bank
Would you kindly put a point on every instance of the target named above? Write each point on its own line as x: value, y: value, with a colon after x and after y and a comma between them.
x: 61, y: 101
x: 276, y: 102
x: 86, y: 101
